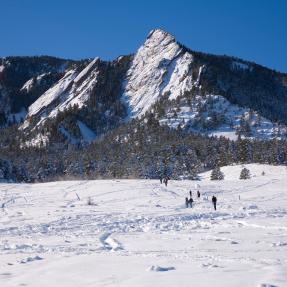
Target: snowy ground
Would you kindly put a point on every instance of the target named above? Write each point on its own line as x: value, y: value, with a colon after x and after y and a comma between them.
x: 139, y: 233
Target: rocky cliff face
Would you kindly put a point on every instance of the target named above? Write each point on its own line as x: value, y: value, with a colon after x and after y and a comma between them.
x: 24, y: 79
x: 182, y: 88
x: 159, y: 68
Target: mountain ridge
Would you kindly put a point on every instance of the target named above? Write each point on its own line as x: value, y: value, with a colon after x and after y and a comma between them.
x: 165, y: 110
x: 106, y: 94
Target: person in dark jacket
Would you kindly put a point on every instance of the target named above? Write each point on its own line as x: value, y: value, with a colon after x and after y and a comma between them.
x: 214, y: 201
x: 190, y: 193
x: 186, y: 202
x: 165, y: 180
x: 198, y: 194
x: 160, y: 179
x: 190, y: 202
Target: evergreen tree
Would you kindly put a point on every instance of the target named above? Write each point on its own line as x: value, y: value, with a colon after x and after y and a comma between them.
x: 244, y: 150
x: 217, y: 174
x: 245, y: 173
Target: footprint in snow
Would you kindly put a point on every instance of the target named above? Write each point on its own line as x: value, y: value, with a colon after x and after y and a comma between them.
x: 30, y: 259
x: 224, y: 239
x: 110, y: 243
x: 210, y: 265
x: 6, y: 274
x: 156, y: 268
x: 250, y: 207
x: 279, y: 244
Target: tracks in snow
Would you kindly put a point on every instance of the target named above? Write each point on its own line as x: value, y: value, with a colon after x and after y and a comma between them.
x: 110, y: 243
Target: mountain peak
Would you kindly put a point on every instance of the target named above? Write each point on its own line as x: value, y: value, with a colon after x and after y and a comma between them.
x: 158, y: 36
x: 159, y: 67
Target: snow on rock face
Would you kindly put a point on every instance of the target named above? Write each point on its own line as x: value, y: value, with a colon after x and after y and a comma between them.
x: 72, y: 89
x: 180, y: 78
x: 159, y: 66
x: 30, y: 83
x: 86, y: 70
x: 53, y: 93
x: 38, y: 141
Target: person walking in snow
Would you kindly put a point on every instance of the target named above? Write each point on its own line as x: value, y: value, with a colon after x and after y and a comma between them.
x: 198, y: 194
x: 214, y: 200
x: 186, y: 202
x: 166, y: 179
x: 190, y: 194
x: 190, y: 202
x: 160, y: 179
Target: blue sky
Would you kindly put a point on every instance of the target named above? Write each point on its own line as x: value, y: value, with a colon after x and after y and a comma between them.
x: 250, y: 29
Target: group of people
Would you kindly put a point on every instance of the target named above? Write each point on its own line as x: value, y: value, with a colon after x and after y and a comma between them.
x: 189, y: 201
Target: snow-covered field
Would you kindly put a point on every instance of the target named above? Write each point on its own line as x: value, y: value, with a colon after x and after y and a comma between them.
x: 139, y: 233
